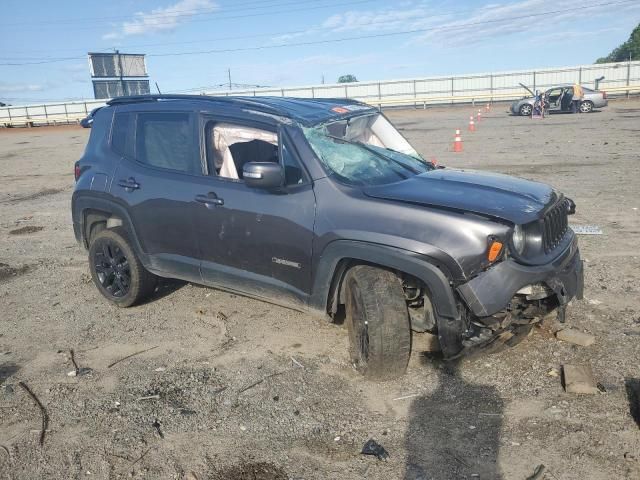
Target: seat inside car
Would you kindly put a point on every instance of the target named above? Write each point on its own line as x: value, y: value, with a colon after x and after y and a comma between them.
x: 232, y: 146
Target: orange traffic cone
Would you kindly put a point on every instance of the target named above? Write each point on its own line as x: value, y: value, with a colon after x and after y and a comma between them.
x: 488, y: 107
x: 479, y: 117
x: 457, y: 142
x: 472, y: 124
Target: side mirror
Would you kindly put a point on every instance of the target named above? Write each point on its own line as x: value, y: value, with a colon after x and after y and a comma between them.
x: 265, y: 175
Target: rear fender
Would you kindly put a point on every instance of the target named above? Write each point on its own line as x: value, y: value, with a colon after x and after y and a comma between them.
x: 118, y: 216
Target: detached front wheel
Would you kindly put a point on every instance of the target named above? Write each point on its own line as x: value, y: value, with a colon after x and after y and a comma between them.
x: 378, y: 323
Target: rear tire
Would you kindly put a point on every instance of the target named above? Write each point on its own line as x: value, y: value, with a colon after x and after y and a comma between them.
x: 586, y: 106
x: 116, y: 270
x: 378, y: 323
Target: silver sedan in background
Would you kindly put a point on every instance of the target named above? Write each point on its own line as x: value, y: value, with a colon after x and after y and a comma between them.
x: 562, y: 103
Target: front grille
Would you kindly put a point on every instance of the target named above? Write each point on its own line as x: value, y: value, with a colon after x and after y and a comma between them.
x: 555, y: 226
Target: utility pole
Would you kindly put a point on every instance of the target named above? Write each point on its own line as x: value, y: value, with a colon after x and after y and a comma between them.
x: 229, y: 73
x: 322, y: 79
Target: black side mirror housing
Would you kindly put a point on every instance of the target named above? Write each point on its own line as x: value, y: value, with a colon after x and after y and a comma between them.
x: 266, y: 175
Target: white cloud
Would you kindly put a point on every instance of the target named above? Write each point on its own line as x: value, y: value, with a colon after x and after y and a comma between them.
x: 456, y: 25
x: 163, y: 19
x: 6, y: 88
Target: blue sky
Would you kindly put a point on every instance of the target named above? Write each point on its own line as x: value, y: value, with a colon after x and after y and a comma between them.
x: 277, y: 42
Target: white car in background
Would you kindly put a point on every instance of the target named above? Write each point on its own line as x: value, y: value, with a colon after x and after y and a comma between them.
x: 559, y: 103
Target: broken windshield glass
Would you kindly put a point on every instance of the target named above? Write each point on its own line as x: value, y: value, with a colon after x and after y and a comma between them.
x: 357, y: 163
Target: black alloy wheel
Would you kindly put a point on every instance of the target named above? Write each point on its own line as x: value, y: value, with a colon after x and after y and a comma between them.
x: 112, y: 269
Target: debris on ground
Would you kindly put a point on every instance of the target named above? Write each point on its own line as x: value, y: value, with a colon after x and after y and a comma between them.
x: 586, y: 229
x: 538, y: 473
x: 150, y: 397
x: 43, y: 411
x: 131, y: 355
x: 297, y: 363
x: 250, y: 471
x: 374, y: 448
x: 404, y: 397
x: 579, y: 379
x: 156, y: 425
x: 575, y: 336
x: 258, y: 382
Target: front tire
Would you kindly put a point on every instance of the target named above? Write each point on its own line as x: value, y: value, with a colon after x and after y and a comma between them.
x: 526, y: 110
x: 586, y: 106
x: 116, y: 270
x: 378, y: 323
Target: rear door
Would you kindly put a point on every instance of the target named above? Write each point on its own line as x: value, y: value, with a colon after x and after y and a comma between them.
x: 257, y: 241
x: 156, y: 183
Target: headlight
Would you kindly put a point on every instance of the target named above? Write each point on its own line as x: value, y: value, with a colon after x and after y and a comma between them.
x: 518, y: 239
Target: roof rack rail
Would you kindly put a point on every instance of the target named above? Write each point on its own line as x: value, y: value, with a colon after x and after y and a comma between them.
x: 251, y: 102
x: 154, y: 98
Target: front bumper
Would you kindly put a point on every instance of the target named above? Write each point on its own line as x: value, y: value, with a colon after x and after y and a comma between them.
x: 492, y: 290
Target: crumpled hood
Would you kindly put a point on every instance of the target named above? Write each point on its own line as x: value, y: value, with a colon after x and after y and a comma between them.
x: 493, y: 194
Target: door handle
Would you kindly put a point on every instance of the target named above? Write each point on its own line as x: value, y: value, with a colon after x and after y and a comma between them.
x: 129, y: 184
x: 210, y: 200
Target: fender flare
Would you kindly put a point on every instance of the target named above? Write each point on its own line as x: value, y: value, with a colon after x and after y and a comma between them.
x: 329, y: 273
x: 81, y: 203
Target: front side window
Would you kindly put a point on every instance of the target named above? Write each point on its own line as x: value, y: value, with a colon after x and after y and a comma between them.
x: 365, y: 150
x: 166, y: 140
x: 231, y: 146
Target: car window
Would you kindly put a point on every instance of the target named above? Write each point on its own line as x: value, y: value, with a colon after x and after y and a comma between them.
x: 121, y: 134
x: 293, y: 172
x: 356, y: 163
x: 166, y: 140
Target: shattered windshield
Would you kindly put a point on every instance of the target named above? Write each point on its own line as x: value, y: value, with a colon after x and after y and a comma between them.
x: 365, y: 150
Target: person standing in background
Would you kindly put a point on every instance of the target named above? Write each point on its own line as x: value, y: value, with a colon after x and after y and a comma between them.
x: 576, y: 100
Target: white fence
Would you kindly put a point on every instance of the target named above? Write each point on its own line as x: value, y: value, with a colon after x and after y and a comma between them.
x: 619, y: 79
x: 49, y: 113
x: 465, y: 88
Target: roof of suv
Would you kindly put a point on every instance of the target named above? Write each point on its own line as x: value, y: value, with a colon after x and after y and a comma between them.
x: 308, y: 111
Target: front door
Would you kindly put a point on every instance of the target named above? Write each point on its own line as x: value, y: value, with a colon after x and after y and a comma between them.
x: 255, y: 241
x: 555, y: 99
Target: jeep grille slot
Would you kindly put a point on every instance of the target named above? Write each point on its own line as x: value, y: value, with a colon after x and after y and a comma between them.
x: 555, y: 226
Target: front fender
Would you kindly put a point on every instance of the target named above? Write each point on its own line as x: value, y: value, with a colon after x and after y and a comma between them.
x: 327, y: 280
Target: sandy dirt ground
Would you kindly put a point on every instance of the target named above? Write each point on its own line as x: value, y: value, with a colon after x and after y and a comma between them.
x: 233, y: 388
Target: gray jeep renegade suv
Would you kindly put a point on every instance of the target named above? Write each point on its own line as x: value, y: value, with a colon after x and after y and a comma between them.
x: 323, y: 206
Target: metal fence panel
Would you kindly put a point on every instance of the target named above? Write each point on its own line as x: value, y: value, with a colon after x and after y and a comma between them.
x: 417, y: 91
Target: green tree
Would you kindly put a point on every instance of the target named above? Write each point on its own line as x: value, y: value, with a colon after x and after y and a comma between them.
x: 629, y: 49
x: 347, y: 78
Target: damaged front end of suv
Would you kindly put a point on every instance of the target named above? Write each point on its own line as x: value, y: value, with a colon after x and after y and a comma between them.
x: 493, y: 255
x: 541, y: 272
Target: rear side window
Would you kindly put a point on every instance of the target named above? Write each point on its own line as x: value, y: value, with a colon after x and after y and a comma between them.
x: 167, y: 140
x: 121, y: 134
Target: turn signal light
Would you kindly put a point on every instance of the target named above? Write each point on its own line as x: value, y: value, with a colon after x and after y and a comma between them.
x: 494, y: 251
